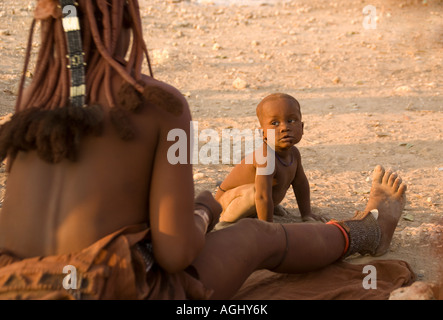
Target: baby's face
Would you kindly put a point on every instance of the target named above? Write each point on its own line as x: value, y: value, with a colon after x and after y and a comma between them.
x: 284, y: 117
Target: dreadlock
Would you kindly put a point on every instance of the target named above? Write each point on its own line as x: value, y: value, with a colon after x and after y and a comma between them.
x: 45, y: 121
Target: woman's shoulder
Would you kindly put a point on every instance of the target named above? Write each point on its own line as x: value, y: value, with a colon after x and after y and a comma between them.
x: 164, y: 96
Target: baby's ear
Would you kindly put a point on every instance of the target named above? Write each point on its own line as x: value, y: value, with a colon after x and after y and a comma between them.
x: 260, y: 132
x: 46, y: 9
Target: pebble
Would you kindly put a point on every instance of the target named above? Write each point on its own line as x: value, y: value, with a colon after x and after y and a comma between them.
x: 181, y: 24
x: 403, y: 89
x: 417, y: 291
x: 5, y: 118
x: 178, y: 34
x: 240, y: 84
x: 336, y: 80
x: 199, y: 176
x: 160, y: 56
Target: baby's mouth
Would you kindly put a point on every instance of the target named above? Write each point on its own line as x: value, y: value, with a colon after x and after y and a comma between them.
x: 286, y: 138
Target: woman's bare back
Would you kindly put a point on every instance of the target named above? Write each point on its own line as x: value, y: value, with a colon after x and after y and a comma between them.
x: 60, y: 208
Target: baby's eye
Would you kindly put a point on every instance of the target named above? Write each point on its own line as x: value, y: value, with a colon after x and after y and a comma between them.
x: 294, y: 121
x: 274, y: 123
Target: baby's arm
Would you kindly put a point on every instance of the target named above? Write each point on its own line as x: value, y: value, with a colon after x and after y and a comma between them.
x: 263, y: 197
x: 302, y: 192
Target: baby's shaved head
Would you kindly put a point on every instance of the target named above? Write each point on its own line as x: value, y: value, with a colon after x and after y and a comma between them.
x: 274, y: 97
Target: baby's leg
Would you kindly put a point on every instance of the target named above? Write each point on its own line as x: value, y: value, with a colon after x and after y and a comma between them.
x: 238, y: 203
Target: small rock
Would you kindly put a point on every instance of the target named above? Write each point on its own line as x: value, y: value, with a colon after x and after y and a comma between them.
x: 178, y: 34
x: 199, y: 176
x: 160, y: 56
x: 382, y: 134
x: 432, y: 84
x: 181, y: 24
x: 240, y: 84
x: 336, y: 80
x: 5, y: 118
x: 403, y: 89
x: 417, y: 291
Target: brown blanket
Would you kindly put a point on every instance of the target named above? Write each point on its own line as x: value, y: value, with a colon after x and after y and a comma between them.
x: 340, y: 281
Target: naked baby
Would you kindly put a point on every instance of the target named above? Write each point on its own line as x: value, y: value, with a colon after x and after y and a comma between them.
x: 250, y: 190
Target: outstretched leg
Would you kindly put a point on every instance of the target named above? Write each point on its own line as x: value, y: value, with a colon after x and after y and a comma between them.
x: 232, y: 254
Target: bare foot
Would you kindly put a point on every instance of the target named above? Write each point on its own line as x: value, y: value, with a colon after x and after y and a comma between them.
x: 388, y: 197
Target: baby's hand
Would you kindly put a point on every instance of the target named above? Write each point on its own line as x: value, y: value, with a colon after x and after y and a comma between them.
x: 314, y: 217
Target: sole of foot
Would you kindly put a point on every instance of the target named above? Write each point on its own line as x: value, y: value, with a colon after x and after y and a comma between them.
x: 388, y: 197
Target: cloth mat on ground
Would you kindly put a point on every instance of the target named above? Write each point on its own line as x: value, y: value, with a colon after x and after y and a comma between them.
x: 339, y: 281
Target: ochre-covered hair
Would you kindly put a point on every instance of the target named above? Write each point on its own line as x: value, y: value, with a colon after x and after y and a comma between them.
x: 44, y: 120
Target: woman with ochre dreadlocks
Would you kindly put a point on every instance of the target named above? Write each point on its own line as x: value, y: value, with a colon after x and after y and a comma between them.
x: 90, y: 185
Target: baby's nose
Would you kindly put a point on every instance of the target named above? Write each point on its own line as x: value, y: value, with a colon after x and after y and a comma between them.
x: 284, y: 127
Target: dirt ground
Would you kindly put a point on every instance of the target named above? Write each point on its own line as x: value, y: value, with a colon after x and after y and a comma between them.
x: 368, y: 96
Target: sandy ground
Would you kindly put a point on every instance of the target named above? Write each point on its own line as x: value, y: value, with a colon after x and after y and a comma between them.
x: 368, y: 96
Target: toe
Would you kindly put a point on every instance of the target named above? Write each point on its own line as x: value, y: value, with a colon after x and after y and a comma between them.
x: 386, y: 176
x: 392, y: 179
x: 378, y: 174
x: 402, y: 189
x: 397, y: 183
